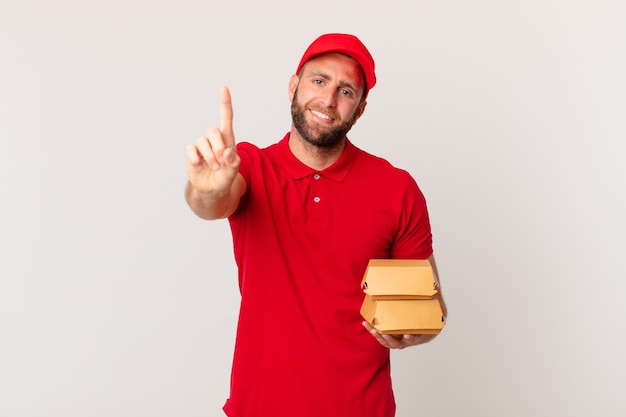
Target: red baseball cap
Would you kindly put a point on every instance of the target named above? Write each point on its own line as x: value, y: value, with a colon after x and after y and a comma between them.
x: 345, y: 44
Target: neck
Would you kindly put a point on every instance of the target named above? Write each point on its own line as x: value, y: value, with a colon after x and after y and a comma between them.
x: 316, y: 157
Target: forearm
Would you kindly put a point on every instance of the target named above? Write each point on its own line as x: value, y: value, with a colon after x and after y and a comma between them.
x: 212, y: 205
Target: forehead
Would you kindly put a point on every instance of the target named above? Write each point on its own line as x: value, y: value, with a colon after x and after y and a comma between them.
x: 336, y: 65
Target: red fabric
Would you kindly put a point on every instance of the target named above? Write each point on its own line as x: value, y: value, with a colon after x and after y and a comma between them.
x: 301, y: 350
x: 345, y: 44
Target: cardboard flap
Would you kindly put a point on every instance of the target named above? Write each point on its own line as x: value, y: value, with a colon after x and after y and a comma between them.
x: 399, y: 279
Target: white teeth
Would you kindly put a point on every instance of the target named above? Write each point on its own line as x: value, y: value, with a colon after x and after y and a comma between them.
x: 321, y: 115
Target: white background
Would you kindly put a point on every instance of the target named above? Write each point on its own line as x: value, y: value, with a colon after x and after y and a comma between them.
x: 115, y: 300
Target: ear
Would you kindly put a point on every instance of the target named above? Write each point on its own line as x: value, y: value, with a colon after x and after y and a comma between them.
x: 293, y: 84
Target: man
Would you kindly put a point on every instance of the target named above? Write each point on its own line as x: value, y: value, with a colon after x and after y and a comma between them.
x: 307, y: 214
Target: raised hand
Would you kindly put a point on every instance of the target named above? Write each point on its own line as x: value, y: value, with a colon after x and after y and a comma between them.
x: 215, y: 185
x: 212, y: 161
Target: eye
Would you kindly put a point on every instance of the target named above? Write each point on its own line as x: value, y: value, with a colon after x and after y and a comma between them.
x: 318, y: 81
x: 345, y: 92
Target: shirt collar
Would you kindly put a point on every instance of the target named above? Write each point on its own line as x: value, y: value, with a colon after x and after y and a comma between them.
x: 336, y: 172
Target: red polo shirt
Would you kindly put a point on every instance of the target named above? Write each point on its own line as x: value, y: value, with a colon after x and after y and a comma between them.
x: 302, y: 240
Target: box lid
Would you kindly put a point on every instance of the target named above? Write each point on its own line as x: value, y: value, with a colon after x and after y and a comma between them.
x: 399, y: 279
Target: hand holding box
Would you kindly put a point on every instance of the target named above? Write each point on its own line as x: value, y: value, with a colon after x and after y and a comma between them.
x: 400, y: 297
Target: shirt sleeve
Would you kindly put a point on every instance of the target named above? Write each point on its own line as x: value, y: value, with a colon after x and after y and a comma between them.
x: 413, y: 239
x: 247, y: 153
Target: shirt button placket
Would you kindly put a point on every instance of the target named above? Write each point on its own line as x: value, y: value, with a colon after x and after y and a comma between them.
x: 316, y: 177
x: 316, y: 195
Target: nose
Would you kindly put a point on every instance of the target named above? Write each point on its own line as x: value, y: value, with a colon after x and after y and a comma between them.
x: 329, y: 97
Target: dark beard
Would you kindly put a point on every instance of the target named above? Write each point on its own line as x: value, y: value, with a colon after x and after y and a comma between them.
x: 317, y: 137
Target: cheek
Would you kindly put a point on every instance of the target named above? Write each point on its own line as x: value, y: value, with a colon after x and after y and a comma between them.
x: 350, y: 113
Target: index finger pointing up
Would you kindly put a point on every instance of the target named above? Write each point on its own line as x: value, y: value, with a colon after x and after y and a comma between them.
x: 226, y: 114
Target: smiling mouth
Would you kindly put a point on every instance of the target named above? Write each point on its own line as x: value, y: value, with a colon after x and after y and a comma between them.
x: 322, y: 116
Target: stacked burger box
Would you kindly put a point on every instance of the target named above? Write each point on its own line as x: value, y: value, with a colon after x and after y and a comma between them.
x: 401, y: 297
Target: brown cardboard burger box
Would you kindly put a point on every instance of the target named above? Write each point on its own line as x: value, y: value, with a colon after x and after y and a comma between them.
x: 400, y: 297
